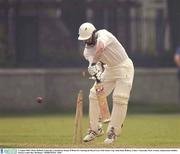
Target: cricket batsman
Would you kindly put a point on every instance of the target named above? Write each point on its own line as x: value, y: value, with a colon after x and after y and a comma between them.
x: 117, y: 77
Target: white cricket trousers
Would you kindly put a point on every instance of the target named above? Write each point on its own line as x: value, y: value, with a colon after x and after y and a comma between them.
x: 117, y: 79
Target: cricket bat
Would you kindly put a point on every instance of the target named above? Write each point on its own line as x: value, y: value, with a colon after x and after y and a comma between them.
x: 102, y: 100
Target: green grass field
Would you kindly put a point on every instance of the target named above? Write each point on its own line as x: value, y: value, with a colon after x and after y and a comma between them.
x: 56, y: 131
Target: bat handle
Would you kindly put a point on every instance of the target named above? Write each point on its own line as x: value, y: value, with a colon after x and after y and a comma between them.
x: 97, y: 80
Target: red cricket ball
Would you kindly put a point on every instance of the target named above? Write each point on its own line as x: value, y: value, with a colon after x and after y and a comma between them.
x: 39, y: 99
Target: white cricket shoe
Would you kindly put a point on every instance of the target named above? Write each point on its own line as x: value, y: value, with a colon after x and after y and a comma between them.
x: 92, y: 134
x: 111, y: 136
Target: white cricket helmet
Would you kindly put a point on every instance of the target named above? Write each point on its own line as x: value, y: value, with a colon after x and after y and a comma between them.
x: 85, y: 31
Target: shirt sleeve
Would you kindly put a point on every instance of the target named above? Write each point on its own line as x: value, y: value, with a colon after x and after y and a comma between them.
x: 105, y: 40
x: 88, y: 56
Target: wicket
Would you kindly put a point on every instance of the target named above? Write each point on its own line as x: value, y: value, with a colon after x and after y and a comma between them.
x: 78, y: 127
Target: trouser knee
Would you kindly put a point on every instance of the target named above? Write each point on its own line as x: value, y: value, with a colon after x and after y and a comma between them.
x: 121, y: 99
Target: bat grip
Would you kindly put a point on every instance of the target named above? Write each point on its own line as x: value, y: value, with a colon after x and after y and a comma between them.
x: 97, y: 80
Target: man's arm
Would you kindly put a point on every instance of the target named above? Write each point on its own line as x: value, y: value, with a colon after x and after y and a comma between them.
x: 177, y: 59
x: 99, y: 51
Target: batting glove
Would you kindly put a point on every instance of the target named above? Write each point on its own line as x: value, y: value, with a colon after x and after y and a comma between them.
x: 99, y: 76
x: 93, y: 70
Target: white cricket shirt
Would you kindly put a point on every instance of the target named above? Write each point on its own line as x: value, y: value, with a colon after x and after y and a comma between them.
x: 113, y: 53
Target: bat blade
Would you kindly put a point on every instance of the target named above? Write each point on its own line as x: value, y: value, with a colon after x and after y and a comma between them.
x: 103, y: 104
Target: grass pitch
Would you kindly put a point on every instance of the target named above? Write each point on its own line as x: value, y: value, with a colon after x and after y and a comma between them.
x: 56, y: 131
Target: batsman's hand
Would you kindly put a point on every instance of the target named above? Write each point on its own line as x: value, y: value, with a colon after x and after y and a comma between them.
x: 96, y: 71
x: 93, y: 69
x: 99, y: 76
